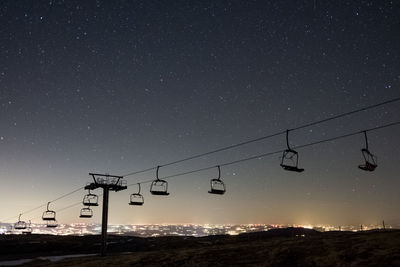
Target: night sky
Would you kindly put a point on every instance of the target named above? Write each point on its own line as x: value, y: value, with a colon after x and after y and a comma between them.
x: 121, y: 86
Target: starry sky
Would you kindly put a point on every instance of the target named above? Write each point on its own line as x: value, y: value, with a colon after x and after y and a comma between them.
x: 120, y: 86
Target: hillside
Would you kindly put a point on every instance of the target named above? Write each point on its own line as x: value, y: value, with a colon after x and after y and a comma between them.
x: 280, y: 247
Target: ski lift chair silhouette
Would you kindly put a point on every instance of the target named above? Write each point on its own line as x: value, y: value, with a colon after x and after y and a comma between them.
x: 51, y: 224
x: 90, y: 199
x: 28, y: 229
x: 290, y: 158
x: 136, y: 199
x: 217, y: 185
x: 370, y: 160
x: 159, y: 187
x: 20, y: 225
x: 49, y: 215
x: 86, y: 213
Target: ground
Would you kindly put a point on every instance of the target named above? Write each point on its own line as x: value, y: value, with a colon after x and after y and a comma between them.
x: 280, y: 247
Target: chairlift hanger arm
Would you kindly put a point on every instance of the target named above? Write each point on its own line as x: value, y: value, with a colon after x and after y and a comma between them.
x: 287, y: 139
x: 366, y: 140
x: 158, y: 168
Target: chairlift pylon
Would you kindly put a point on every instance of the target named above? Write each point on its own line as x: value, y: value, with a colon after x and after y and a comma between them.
x: 370, y: 160
x: 290, y: 158
x: 217, y: 185
x: 90, y: 199
x: 159, y: 187
x: 20, y: 225
x: 49, y: 215
x: 86, y: 213
x: 137, y: 199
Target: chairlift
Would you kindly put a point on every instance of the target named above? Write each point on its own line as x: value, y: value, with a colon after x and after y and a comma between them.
x: 159, y: 187
x: 86, y: 213
x: 51, y: 224
x: 217, y: 185
x: 49, y: 215
x: 20, y: 225
x: 290, y: 158
x: 28, y: 229
x: 136, y: 199
x: 371, y: 161
x: 90, y: 199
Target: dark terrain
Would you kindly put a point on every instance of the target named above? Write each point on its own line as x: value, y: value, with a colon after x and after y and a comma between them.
x: 278, y: 247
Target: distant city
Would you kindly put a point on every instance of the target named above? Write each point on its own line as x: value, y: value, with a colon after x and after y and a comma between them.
x: 154, y: 230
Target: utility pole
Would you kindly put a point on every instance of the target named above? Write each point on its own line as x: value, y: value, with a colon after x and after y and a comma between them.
x: 383, y: 224
x: 108, y: 183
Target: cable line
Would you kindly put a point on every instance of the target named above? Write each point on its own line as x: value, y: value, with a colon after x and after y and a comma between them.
x: 274, y: 152
x: 346, y: 114
x: 268, y: 136
x: 67, y: 194
x: 70, y: 206
x: 65, y: 208
x: 44, y: 205
x: 235, y: 161
x: 245, y: 143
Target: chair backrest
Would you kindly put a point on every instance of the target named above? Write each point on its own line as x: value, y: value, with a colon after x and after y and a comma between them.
x: 49, y: 215
x: 20, y: 225
x: 217, y: 184
x: 90, y: 200
x: 52, y: 224
x: 86, y: 212
x: 159, y: 185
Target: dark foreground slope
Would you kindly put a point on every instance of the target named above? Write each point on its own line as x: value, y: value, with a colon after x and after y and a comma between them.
x: 281, y: 247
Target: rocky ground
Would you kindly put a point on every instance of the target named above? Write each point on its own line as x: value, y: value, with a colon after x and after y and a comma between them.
x: 279, y: 247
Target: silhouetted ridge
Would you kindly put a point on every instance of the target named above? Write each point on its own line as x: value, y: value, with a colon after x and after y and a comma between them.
x: 284, y: 232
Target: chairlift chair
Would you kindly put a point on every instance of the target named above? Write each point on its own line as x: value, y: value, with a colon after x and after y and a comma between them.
x: 136, y: 199
x: 290, y: 158
x: 51, y: 224
x: 159, y: 187
x: 370, y: 160
x: 217, y: 185
x: 49, y: 215
x: 86, y: 213
x: 20, y: 225
x: 90, y: 199
x: 28, y: 229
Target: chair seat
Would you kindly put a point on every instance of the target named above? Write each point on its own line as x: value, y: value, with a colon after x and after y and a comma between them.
x: 368, y: 167
x: 135, y: 203
x: 159, y: 193
x: 217, y: 191
x: 291, y: 168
